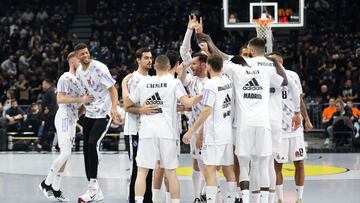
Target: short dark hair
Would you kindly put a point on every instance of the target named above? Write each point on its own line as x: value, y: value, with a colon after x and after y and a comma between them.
x: 48, y: 81
x: 80, y: 46
x: 202, y: 57
x: 71, y: 55
x: 139, y: 52
x: 237, y: 59
x: 162, y: 62
x: 257, y: 43
x: 173, y: 56
x: 215, y: 61
x: 13, y: 100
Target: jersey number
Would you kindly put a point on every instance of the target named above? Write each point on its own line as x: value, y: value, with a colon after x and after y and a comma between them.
x: 284, y: 94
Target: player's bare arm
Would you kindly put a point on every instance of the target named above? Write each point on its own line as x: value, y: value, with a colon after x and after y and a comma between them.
x: 308, y: 124
x: 205, y: 112
x: 61, y: 98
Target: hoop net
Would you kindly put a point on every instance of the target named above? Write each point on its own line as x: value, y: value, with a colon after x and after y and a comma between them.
x: 263, y: 31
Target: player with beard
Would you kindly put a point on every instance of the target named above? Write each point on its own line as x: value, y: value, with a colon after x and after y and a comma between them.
x: 70, y: 96
x: 97, y: 81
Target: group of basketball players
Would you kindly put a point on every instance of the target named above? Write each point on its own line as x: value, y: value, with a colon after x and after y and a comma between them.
x: 245, y: 118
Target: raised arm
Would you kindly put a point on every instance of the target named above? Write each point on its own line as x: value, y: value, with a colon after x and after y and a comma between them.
x: 212, y: 47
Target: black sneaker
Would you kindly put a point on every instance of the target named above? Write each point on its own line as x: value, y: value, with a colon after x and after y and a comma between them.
x: 203, y: 198
x: 238, y: 200
x: 46, y: 190
x: 58, y: 195
x: 197, y: 200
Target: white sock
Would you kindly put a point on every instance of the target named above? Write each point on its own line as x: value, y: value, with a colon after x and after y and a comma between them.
x: 231, y: 193
x: 56, y: 182
x: 50, y: 177
x: 156, y: 195
x: 175, y: 200
x: 299, y: 191
x: 94, y: 184
x: 272, y: 197
x: 167, y: 197
x: 255, y: 197
x: 196, y: 183
x: 280, y: 192
x: 245, y: 196
x: 139, y: 199
x: 264, y: 196
x: 218, y: 194
x: 238, y: 192
x: 211, y: 192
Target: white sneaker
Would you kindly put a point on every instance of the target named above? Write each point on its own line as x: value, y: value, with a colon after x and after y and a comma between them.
x: 299, y: 201
x: 91, y: 196
x: 58, y: 195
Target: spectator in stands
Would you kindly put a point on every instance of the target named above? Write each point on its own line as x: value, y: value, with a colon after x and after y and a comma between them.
x: 9, y: 66
x: 22, y: 86
x: 14, y: 117
x: 10, y: 95
x: 49, y: 107
x: 341, y: 118
x: 328, y: 111
x: 325, y: 95
x: 33, y: 120
x: 355, y: 117
x: 349, y: 92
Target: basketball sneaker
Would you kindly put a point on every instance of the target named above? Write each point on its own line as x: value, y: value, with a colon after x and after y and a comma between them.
x: 197, y: 200
x: 91, y: 195
x: 58, y: 195
x: 46, y: 190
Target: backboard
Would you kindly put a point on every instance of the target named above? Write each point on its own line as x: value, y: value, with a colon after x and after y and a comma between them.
x: 284, y: 13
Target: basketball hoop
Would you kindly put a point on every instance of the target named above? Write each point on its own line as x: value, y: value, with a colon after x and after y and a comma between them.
x: 263, y: 30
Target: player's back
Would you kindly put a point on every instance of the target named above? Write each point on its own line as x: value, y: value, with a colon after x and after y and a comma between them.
x: 252, y: 93
x: 218, y: 94
x: 162, y: 92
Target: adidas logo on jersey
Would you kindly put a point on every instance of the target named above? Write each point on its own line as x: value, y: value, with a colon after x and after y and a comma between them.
x: 227, y: 101
x: 154, y: 100
x: 252, y: 85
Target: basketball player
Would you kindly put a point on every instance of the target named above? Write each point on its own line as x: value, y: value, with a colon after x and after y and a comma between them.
x: 276, y: 96
x: 252, y: 95
x: 97, y: 81
x: 69, y: 98
x: 158, y: 143
x: 174, y: 59
x: 194, y: 81
x: 292, y: 147
x: 132, y: 122
x: 217, y: 149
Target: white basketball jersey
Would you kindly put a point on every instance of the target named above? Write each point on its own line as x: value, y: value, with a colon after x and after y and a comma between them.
x: 218, y: 94
x: 289, y: 105
x: 163, y: 92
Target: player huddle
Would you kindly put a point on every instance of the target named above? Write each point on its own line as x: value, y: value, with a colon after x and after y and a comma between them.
x: 244, y: 113
x: 249, y: 115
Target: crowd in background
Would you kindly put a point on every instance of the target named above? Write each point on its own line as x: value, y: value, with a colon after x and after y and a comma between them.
x: 34, y: 43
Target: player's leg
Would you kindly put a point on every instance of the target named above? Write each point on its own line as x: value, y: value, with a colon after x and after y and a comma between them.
x: 279, y: 182
x: 174, y: 185
x: 196, y: 173
x: 140, y: 184
x: 264, y: 178
x: 51, y: 185
x: 255, y: 179
x: 244, y: 162
x: 276, y: 134
x: 97, y: 133
x: 280, y: 158
x: 158, y: 177
x: 231, y: 183
x: 211, y: 183
x: 298, y: 154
